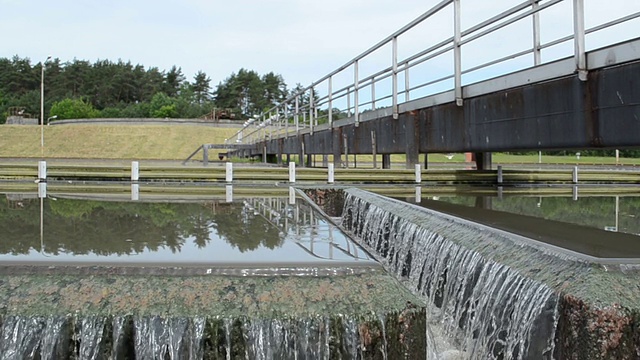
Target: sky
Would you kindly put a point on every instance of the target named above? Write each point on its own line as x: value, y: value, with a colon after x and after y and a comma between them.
x: 300, y: 40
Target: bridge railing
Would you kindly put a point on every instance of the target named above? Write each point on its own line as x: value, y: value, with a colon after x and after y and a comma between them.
x: 380, y: 80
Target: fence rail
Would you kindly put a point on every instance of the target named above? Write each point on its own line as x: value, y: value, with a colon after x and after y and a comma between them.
x: 331, y: 98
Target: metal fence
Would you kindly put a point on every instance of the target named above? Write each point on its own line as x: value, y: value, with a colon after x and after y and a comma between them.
x: 346, y: 93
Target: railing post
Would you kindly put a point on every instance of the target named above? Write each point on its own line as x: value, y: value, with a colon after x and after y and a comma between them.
x: 499, y: 174
x: 355, y: 94
x: 348, y: 101
x: 394, y: 81
x: 135, y: 171
x: 373, y: 93
x: 296, y: 116
x: 457, y: 52
x: 407, y: 85
x: 229, y: 172
x: 578, y: 39
x: 331, y: 173
x: 537, y: 57
x: 574, y: 176
x: 292, y: 172
x: 42, y: 171
x: 330, y: 116
x: 286, y: 120
x: 418, y: 174
x: 311, y: 112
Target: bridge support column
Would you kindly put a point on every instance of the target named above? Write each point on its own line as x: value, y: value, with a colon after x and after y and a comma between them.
x: 483, y: 160
x: 426, y: 161
x: 309, y: 161
x: 412, y: 141
x: 325, y: 160
x: 336, y: 140
x: 386, y: 161
x: 288, y: 158
x: 280, y: 145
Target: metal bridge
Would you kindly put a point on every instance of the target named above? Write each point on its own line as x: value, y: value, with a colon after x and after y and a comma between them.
x: 449, y: 96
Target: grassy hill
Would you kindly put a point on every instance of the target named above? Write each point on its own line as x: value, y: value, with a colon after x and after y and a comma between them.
x: 109, y: 141
x: 177, y: 142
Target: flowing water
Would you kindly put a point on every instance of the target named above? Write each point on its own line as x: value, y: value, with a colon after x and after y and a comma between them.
x: 485, y: 309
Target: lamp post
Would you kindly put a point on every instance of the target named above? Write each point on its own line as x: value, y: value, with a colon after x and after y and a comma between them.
x: 42, y: 105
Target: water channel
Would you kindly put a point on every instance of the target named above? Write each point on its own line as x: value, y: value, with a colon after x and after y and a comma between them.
x: 117, y: 275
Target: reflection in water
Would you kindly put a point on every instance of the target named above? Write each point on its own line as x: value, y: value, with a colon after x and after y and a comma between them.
x: 255, y: 231
x: 577, y: 226
x: 612, y: 213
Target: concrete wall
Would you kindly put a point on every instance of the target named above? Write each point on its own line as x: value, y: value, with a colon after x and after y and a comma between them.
x: 19, y: 120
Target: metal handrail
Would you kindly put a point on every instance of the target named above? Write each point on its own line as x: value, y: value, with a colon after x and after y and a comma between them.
x: 307, y: 115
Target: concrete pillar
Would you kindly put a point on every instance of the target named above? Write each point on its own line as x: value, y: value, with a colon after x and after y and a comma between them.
x: 135, y: 171
x: 42, y: 171
x: 229, y: 172
x: 288, y: 158
x: 135, y: 192
x: 325, y: 160
x: 308, y: 161
x: 292, y: 172
x: 331, y: 173
x: 483, y: 160
x: 386, y: 161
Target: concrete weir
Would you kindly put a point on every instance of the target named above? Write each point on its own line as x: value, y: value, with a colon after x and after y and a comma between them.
x: 493, y: 294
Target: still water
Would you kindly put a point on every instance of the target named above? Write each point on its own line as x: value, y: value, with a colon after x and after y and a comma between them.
x: 245, y: 232
x: 597, y: 225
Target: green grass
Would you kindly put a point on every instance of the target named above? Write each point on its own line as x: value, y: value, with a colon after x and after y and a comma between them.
x: 109, y: 141
x: 176, y: 142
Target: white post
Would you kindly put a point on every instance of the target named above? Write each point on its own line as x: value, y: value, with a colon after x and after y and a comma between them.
x: 135, y: 192
x: 499, y: 174
x: 229, y: 172
x: 356, y: 87
x: 228, y: 193
x: 330, y: 168
x: 418, y: 194
x: 575, y: 175
x: 292, y: 172
x: 394, y: 78
x: 617, y: 157
x: 42, y: 170
x: 42, y: 190
x: 418, y: 174
x: 135, y: 171
x: 457, y: 53
x: 579, y: 40
x: 292, y: 199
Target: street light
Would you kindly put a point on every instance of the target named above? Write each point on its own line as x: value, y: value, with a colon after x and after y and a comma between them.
x: 51, y: 118
x: 42, y: 105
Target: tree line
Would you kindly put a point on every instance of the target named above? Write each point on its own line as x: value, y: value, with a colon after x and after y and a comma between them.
x: 81, y: 89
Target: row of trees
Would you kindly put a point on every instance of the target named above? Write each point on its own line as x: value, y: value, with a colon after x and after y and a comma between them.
x: 80, y: 89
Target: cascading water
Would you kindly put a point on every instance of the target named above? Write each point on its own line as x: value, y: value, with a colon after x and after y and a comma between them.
x: 123, y: 337
x: 486, y: 309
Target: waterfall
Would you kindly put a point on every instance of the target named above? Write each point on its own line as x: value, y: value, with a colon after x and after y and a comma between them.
x: 488, y: 310
x: 155, y: 337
